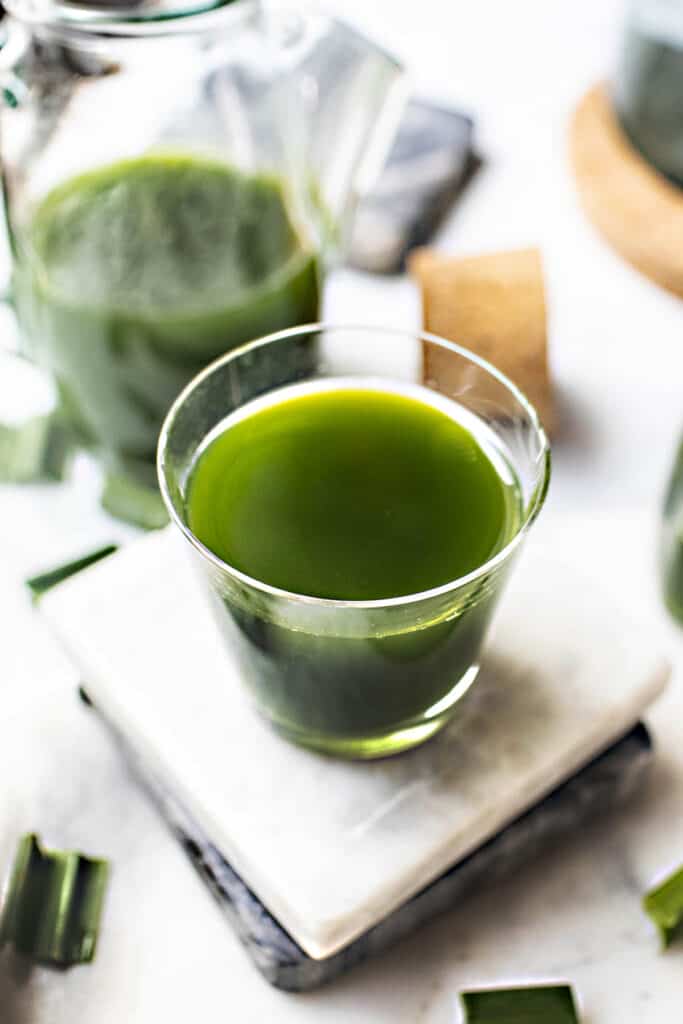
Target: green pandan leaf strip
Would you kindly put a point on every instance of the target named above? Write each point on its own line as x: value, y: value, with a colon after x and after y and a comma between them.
x: 53, y: 904
x: 664, y: 904
x: 133, y: 503
x: 35, y: 450
x: 536, y: 1004
x: 671, y: 540
x: 38, y: 585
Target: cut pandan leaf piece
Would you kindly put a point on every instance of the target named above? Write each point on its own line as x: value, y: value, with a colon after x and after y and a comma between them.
x: 671, y: 540
x: 672, y: 565
x: 38, y: 585
x: 133, y: 503
x: 664, y: 904
x: 37, y: 449
x: 53, y: 904
x: 538, y: 1004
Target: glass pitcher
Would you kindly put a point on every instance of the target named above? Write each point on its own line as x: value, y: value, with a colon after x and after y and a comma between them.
x: 176, y: 181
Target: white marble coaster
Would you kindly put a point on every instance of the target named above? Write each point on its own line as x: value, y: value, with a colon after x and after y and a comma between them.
x: 331, y: 847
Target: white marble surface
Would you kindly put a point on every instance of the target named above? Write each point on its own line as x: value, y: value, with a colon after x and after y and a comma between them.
x: 564, y: 675
x: 618, y: 358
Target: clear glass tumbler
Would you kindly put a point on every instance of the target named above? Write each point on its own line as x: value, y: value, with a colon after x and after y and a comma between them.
x: 357, y: 678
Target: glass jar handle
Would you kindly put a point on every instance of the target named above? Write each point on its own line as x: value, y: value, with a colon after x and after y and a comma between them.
x: 13, y: 91
x: 35, y: 443
x: 13, y: 44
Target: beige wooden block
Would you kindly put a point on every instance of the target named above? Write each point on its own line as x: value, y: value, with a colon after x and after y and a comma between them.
x: 494, y: 305
x: 637, y: 209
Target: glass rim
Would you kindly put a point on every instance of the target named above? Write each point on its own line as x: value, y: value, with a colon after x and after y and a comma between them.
x: 126, y: 20
x: 534, y: 506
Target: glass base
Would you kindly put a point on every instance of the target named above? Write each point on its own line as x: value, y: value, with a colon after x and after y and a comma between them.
x: 401, y: 738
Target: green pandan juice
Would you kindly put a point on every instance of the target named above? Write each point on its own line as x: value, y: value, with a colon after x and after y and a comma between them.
x: 355, y: 492
x: 138, y: 274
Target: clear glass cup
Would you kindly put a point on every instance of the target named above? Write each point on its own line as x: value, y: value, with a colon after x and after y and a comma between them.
x: 356, y: 678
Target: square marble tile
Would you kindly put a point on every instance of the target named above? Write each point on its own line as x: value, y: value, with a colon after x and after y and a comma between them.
x: 330, y: 847
x: 607, y: 780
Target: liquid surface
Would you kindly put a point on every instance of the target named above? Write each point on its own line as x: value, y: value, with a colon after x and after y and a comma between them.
x: 351, y: 494
x: 162, y: 235
x: 132, y: 277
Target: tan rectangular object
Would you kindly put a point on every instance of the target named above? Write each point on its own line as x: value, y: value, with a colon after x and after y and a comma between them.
x: 494, y: 305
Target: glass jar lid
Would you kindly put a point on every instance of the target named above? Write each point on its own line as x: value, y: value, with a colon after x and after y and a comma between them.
x: 111, y: 15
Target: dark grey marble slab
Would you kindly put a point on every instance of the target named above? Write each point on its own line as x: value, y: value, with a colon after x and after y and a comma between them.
x: 429, y: 164
x: 604, y: 782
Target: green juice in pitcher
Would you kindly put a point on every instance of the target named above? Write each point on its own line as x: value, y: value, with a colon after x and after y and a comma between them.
x: 353, y: 492
x: 134, y: 276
